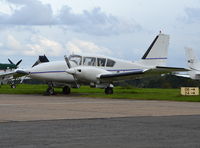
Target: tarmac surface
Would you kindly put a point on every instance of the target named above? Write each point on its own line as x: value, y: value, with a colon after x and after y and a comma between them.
x: 37, y: 107
x: 29, y: 121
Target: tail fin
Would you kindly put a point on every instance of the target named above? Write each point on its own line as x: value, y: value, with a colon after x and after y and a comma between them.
x: 193, y: 63
x: 192, y: 59
x: 156, y: 55
x: 41, y: 59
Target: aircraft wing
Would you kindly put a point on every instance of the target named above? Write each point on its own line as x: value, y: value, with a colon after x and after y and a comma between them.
x: 139, y: 74
x: 12, y: 74
x: 6, y: 74
x: 6, y: 77
x: 121, y: 76
x: 165, y: 70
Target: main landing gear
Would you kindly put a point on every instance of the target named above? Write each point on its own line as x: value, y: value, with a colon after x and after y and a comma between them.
x: 109, y: 90
x: 50, y: 90
x: 13, y: 86
x: 66, y: 90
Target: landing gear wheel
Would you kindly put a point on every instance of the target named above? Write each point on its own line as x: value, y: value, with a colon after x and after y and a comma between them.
x: 50, y: 91
x: 13, y: 86
x: 109, y: 90
x: 66, y: 90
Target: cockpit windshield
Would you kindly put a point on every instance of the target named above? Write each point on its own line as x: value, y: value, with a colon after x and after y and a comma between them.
x: 89, y: 61
x: 76, y: 59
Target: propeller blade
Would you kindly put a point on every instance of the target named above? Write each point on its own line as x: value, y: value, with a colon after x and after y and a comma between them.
x: 67, y: 61
x: 71, y: 71
x: 10, y: 61
x: 18, y: 62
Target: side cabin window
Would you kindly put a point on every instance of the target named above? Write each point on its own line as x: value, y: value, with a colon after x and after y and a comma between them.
x: 110, y: 63
x: 89, y: 61
x: 101, y: 62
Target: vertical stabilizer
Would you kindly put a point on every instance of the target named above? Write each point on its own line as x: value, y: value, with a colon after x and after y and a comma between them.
x: 193, y: 63
x: 156, y: 55
x: 41, y: 59
x: 192, y: 59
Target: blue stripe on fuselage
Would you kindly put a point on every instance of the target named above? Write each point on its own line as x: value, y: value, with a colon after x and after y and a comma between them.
x: 43, y: 72
x: 125, y: 70
x: 47, y: 72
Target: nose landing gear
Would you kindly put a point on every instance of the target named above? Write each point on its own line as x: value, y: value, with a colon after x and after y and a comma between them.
x: 50, y: 90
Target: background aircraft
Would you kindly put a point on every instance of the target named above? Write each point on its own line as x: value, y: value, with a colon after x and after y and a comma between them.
x: 7, y: 76
x: 6, y: 68
x: 101, y: 71
x: 9, y: 66
x: 193, y: 65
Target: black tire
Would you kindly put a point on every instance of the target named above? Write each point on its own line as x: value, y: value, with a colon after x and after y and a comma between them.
x: 66, y: 90
x: 13, y: 86
x: 50, y: 91
x: 109, y: 90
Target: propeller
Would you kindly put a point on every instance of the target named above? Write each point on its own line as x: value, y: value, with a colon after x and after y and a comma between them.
x: 67, y: 61
x: 10, y: 61
x: 71, y: 71
x: 17, y: 64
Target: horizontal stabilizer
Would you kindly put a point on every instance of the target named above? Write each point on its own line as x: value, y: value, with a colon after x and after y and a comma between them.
x: 183, y: 75
x: 159, y: 70
x: 111, y: 77
x: 172, y: 69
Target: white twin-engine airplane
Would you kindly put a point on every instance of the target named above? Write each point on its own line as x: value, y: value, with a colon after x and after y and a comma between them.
x: 193, y: 65
x: 100, y: 71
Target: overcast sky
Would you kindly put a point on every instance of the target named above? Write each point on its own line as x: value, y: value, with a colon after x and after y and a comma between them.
x: 120, y: 29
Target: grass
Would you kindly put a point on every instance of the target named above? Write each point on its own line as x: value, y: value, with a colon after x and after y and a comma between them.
x: 119, y: 93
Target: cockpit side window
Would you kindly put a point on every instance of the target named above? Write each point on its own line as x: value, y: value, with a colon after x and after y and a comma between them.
x: 110, y: 63
x: 101, y: 62
x: 76, y: 59
x: 89, y: 61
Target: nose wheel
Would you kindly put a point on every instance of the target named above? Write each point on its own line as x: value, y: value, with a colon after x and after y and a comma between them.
x: 109, y: 90
x: 66, y: 90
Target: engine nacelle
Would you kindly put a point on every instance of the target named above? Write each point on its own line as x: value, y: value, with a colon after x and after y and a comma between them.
x: 87, y: 73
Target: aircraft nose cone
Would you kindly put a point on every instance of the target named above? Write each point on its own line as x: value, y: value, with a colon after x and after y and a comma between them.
x: 71, y: 71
